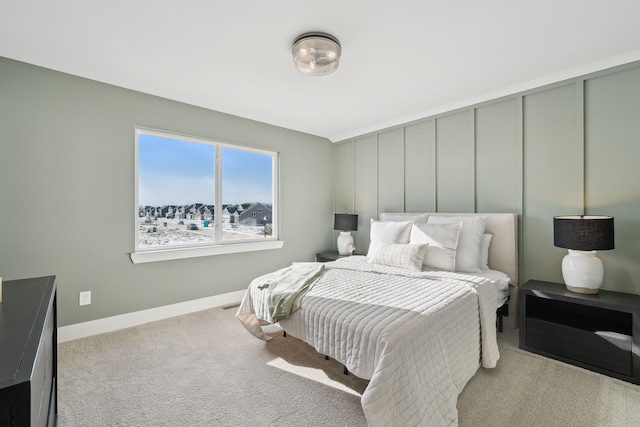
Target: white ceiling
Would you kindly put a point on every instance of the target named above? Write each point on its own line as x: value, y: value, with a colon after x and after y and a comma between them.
x: 401, y: 60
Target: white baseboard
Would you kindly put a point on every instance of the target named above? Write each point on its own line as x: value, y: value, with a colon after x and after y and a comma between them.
x: 114, y: 323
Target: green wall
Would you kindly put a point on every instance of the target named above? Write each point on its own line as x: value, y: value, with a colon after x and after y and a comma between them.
x: 67, y: 193
x: 67, y: 170
x: 566, y: 148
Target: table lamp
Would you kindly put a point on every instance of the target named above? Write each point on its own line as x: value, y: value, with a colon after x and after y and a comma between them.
x: 583, y: 235
x: 345, y: 223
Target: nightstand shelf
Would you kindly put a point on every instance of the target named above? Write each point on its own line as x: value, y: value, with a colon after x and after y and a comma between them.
x: 329, y: 256
x: 597, y: 332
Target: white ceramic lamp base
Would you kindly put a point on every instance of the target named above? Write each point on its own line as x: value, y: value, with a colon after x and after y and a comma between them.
x: 582, y: 271
x: 345, y: 243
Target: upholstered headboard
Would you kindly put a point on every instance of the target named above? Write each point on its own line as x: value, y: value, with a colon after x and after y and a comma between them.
x: 503, y: 251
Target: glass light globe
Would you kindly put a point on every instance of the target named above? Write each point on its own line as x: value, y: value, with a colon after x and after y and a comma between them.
x: 316, y: 54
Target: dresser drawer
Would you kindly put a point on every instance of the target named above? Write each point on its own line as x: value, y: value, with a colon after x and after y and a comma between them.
x: 610, y: 351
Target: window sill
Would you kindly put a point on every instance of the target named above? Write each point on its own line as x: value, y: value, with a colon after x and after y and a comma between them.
x: 171, y: 254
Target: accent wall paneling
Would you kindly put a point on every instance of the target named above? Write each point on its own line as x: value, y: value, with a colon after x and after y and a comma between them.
x: 391, y: 171
x: 612, y: 152
x: 420, y: 167
x: 571, y: 147
x: 343, y: 178
x: 366, y: 188
x: 455, y: 163
x: 498, y: 157
x: 552, y: 162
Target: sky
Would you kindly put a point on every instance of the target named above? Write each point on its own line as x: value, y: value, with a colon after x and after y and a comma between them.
x: 174, y: 172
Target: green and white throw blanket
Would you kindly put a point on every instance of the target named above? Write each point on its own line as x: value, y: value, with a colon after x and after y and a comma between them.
x: 277, y: 295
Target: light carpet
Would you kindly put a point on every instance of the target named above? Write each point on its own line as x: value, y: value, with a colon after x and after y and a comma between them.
x: 205, y: 369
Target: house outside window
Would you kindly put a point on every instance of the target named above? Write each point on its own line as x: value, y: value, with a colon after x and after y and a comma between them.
x: 200, y: 197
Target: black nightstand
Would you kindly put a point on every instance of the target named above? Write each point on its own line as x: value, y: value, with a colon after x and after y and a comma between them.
x: 598, y: 332
x: 329, y: 256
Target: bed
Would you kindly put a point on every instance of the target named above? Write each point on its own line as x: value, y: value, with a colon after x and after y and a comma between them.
x: 418, y: 332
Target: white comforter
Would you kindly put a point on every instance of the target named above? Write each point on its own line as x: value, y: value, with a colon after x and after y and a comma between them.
x: 417, y: 336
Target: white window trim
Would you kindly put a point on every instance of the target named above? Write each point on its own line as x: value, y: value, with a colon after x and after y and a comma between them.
x: 200, y: 251
x: 139, y: 256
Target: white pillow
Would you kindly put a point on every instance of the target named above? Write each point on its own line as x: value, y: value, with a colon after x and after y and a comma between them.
x: 483, y: 261
x: 401, y: 255
x: 442, y: 240
x: 416, y: 218
x: 468, y: 250
x: 390, y: 231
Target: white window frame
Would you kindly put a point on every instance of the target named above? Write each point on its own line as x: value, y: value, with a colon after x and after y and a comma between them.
x: 219, y: 247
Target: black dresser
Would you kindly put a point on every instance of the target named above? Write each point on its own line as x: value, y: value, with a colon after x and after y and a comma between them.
x: 28, y: 352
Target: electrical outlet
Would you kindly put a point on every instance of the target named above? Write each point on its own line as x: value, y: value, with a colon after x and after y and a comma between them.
x: 85, y: 298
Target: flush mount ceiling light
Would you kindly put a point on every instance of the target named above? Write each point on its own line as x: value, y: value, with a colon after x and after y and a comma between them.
x: 316, y: 54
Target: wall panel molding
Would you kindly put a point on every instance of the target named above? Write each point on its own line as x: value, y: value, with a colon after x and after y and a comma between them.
x: 566, y: 147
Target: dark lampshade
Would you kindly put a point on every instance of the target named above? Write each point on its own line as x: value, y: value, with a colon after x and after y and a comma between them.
x: 583, y: 232
x: 345, y: 222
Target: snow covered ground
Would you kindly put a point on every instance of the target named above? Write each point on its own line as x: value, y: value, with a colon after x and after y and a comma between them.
x: 168, y: 232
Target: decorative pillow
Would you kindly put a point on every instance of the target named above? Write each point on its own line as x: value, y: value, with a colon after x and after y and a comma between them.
x: 416, y: 218
x: 401, y: 255
x: 468, y: 250
x: 483, y: 261
x: 390, y: 231
x: 442, y: 240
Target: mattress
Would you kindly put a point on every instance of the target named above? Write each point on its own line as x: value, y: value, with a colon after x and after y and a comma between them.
x: 500, y: 281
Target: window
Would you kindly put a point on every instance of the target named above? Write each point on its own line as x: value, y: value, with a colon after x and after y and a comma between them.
x: 198, y: 197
